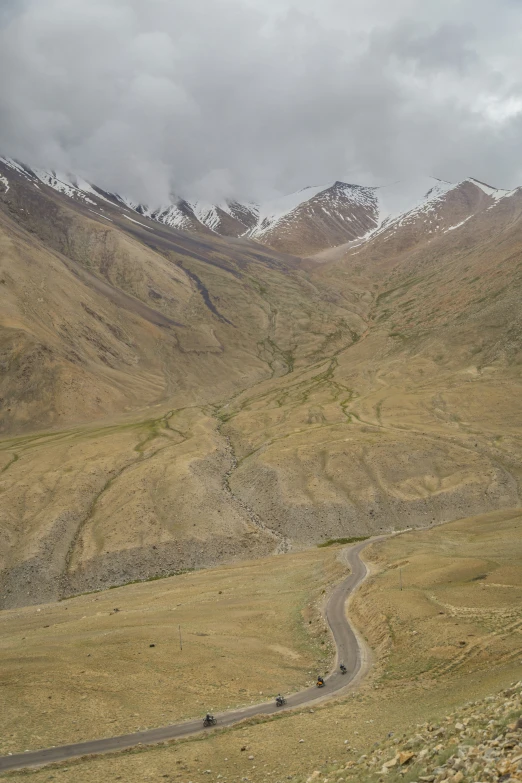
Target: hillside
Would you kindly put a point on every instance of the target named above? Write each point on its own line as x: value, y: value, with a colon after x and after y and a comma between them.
x: 225, y: 614
x: 128, y: 312
x: 136, y: 332
x: 445, y: 651
x: 483, y: 739
x: 174, y: 400
x: 309, y: 221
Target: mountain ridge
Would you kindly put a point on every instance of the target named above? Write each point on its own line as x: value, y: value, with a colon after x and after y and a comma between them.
x: 305, y: 222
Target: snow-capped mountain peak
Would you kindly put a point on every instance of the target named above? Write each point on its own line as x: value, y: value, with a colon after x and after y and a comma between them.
x: 399, y: 198
x: 312, y: 219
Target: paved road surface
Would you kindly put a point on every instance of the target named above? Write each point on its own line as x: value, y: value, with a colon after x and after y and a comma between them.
x: 348, y: 651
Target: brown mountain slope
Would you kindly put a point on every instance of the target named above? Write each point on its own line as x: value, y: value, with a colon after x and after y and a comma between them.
x: 206, y: 399
x: 420, y: 420
x: 139, y: 327
x: 122, y: 314
x: 338, y: 214
x: 429, y: 221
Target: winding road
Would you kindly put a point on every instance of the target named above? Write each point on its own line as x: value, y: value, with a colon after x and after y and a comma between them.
x: 349, y: 651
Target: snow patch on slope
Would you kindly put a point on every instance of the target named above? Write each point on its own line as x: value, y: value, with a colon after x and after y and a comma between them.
x: 138, y: 223
x: 495, y: 193
x: 458, y: 225
x: 127, y: 202
x: 170, y: 215
x: 62, y: 184
x: 273, y: 211
x: 232, y: 208
x: 206, y: 213
x: 401, y: 198
x: 12, y: 164
x: 99, y: 214
x: 85, y: 187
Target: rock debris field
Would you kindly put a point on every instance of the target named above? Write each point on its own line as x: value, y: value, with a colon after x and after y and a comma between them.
x: 480, y: 743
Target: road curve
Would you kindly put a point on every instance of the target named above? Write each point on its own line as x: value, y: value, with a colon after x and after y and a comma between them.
x: 348, y: 651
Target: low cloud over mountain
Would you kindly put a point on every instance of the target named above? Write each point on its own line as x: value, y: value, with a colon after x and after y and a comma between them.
x: 247, y: 99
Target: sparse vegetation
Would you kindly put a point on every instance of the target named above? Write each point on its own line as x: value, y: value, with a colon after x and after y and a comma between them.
x: 339, y: 738
x: 349, y: 540
x: 97, y: 646
x: 259, y: 403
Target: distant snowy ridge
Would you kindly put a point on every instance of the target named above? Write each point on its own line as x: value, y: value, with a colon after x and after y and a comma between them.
x: 401, y: 198
x: 495, y: 193
x: 389, y: 205
x: 350, y: 212
x: 73, y: 187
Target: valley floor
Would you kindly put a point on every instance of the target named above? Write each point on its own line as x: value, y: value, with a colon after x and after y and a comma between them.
x: 451, y: 634
x: 158, y: 652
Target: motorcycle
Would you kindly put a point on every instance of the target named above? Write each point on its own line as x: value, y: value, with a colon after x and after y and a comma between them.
x: 320, y: 682
x: 209, y: 720
x: 280, y: 701
x: 343, y: 668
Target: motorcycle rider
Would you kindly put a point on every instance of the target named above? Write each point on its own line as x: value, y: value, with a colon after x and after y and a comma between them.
x: 343, y: 668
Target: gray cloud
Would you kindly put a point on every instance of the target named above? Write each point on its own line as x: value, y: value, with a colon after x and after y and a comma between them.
x: 245, y: 98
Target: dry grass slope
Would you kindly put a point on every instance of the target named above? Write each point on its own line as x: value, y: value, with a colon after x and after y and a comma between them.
x: 110, y: 662
x: 421, y: 670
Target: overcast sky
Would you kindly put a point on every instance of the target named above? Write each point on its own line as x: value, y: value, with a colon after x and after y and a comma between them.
x: 249, y: 98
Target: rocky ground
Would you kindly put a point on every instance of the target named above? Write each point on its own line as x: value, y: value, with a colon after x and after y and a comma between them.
x: 482, y: 742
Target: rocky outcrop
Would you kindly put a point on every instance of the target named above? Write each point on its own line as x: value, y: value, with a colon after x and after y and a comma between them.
x: 480, y: 742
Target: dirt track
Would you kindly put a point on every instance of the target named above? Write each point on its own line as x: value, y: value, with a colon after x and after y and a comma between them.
x: 349, y: 651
